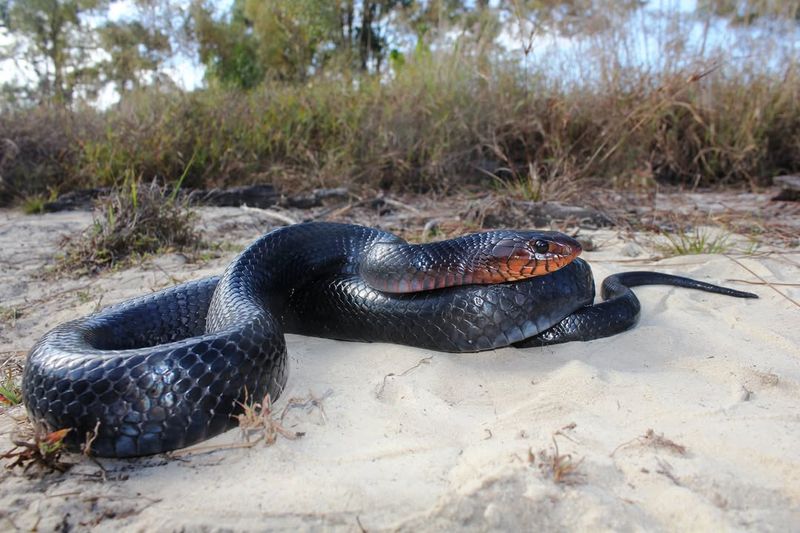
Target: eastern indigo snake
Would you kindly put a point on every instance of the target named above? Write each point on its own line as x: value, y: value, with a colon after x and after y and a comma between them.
x: 172, y: 368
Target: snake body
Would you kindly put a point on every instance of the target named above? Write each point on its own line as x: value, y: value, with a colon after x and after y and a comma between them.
x: 173, y: 368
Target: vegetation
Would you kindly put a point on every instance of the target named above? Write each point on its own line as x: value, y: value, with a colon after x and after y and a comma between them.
x: 136, y: 220
x: 10, y: 314
x: 696, y: 241
x: 10, y: 391
x: 415, y: 95
x: 38, y: 448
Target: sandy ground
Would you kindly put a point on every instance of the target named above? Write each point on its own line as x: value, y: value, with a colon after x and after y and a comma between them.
x: 688, y: 422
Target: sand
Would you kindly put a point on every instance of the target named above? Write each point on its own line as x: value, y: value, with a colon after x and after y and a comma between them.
x: 690, y: 421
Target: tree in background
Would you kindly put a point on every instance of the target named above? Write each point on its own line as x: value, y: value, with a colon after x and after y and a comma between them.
x: 227, y: 47
x: 134, y: 52
x: 749, y: 11
x: 53, y: 41
x: 291, y: 40
x: 291, y: 35
x: 281, y: 39
x: 70, y: 47
x: 138, y: 46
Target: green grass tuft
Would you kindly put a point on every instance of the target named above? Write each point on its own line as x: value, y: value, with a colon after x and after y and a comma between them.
x: 10, y: 314
x: 137, y: 219
x: 10, y: 391
x: 697, y: 241
x: 34, y: 204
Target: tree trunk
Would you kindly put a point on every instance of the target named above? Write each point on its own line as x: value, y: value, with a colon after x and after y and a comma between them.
x: 365, y: 41
x: 56, y: 54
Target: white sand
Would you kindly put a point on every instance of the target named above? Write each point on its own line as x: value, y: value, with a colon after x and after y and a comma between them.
x: 414, y: 439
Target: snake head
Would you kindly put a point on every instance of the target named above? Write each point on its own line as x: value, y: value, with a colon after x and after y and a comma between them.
x: 525, y: 254
x: 480, y: 258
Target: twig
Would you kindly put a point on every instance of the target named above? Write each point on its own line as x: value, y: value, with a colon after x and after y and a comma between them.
x: 91, y: 436
x: 98, y: 303
x: 561, y: 468
x: 666, y: 470
x: 49, y: 297
x: 64, y: 494
x: 212, y: 448
x: 568, y: 427
x: 259, y: 418
x: 750, y: 282
x: 767, y: 283
x: 169, y: 276
x: 337, y: 211
x: 269, y: 213
x: 651, y: 438
x: 401, y: 205
x: 11, y: 356
x: 421, y: 362
x: 307, y: 402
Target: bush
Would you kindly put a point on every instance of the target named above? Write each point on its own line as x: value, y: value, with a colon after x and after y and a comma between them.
x: 441, y: 120
x: 133, y: 221
x: 41, y: 150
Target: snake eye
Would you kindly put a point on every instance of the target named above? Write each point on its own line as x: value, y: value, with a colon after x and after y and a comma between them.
x: 541, y: 247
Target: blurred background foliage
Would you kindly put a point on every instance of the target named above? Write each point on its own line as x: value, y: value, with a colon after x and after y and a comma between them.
x: 528, y: 95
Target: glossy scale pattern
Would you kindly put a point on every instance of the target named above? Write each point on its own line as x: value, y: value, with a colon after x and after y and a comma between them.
x: 170, y: 369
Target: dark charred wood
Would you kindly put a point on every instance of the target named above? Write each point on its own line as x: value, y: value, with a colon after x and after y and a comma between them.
x: 790, y: 188
x: 77, y: 200
x: 543, y: 213
x: 261, y: 196
x: 315, y: 198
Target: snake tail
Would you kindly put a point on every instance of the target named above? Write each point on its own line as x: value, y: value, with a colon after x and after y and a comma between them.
x: 620, y: 309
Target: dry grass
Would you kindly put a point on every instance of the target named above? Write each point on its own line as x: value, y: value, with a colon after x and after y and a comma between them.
x: 40, y: 151
x: 652, y: 439
x: 40, y: 449
x: 561, y: 468
x: 533, y: 125
x: 136, y: 220
x: 259, y: 421
x: 442, y: 128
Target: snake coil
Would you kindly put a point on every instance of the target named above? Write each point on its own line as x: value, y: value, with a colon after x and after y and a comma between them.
x: 172, y: 368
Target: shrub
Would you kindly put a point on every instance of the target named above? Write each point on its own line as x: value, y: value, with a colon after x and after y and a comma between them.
x: 133, y: 221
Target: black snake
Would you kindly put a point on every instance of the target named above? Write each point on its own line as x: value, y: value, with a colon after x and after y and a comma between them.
x: 172, y: 368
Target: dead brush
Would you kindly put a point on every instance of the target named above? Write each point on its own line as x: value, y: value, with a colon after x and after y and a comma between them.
x: 652, y: 439
x: 39, y: 448
x: 133, y: 221
x: 561, y: 468
x: 260, y: 421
